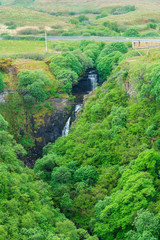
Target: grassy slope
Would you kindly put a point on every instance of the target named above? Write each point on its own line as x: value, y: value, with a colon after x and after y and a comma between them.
x: 25, y: 17
x: 146, y: 9
x: 77, y: 5
x: 27, y: 64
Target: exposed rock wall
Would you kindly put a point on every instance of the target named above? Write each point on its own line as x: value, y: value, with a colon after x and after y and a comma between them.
x: 49, y: 127
x: 3, y: 96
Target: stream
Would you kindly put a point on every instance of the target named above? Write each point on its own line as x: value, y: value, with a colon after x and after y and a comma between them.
x: 87, y: 84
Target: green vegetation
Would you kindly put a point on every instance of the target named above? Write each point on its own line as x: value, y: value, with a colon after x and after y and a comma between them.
x: 28, y: 18
x: 122, y: 10
x: 110, y: 160
x: 26, y: 205
x: 1, y: 83
x: 102, y: 181
x: 110, y: 57
x: 131, y: 32
x: 146, y: 225
x: 31, y: 85
x: 68, y: 66
x: 12, y: 47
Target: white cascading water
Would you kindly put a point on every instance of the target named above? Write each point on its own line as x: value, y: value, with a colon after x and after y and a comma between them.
x: 78, y: 108
x: 66, y: 127
x: 92, y: 77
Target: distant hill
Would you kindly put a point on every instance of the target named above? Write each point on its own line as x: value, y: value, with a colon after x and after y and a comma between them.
x: 76, y: 5
x: 61, y: 17
x: 17, y: 2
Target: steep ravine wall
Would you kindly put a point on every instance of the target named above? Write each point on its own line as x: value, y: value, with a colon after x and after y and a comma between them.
x: 3, y: 96
x: 48, y: 127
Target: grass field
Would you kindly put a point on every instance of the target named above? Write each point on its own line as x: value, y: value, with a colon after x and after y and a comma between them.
x: 10, y: 47
x: 76, y: 5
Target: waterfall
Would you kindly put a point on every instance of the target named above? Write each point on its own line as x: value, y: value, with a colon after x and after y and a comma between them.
x: 78, y: 107
x: 66, y: 127
x: 85, y: 86
x: 92, y: 77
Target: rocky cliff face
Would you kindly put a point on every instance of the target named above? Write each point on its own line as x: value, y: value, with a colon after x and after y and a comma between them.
x: 48, y: 127
x: 3, y: 96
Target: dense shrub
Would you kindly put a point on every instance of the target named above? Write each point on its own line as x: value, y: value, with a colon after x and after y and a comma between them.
x: 112, y: 25
x: 12, y: 27
x: 106, y: 64
x: 132, y: 32
x: 103, y: 15
x: 151, y: 34
x: 28, y: 31
x: 65, y: 75
x: 152, y: 25
x: 3, y: 124
x: 10, y: 23
x: 146, y: 225
x: 31, y: 85
x: 83, y: 18
x: 86, y: 174
x: 73, y: 21
x: 1, y: 83
x: 115, y: 46
x: 122, y: 10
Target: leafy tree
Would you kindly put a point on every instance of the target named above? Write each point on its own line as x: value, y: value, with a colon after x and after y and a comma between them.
x: 94, y: 51
x: 66, y: 75
x: 149, y: 161
x: 85, y: 61
x: 112, y: 25
x: 28, y: 77
x: 152, y: 25
x: 67, y: 87
x: 31, y: 85
x: 67, y: 203
x: 44, y: 166
x: 132, y: 32
x: 147, y: 227
x: 152, y: 131
x: 36, y: 91
x: 123, y: 10
x: 119, y: 116
x: 1, y: 83
x: 68, y: 229
x: 74, y: 21
x: 72, y: 62
x: 106, y: 64
x: 60, y: 175
x: 117, y: 210
x: 112, y: 47
x: 67, y: 60
x: 3, y: 124
x: 82, y: 18
x: 86, y: 174
x: 84, y: 43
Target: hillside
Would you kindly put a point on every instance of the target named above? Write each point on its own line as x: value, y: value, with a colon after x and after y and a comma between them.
x: 32, y: 17
x: 114, y: 150
x: 75, y: 5
x: 79, y: 120
x: 103, y: 178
